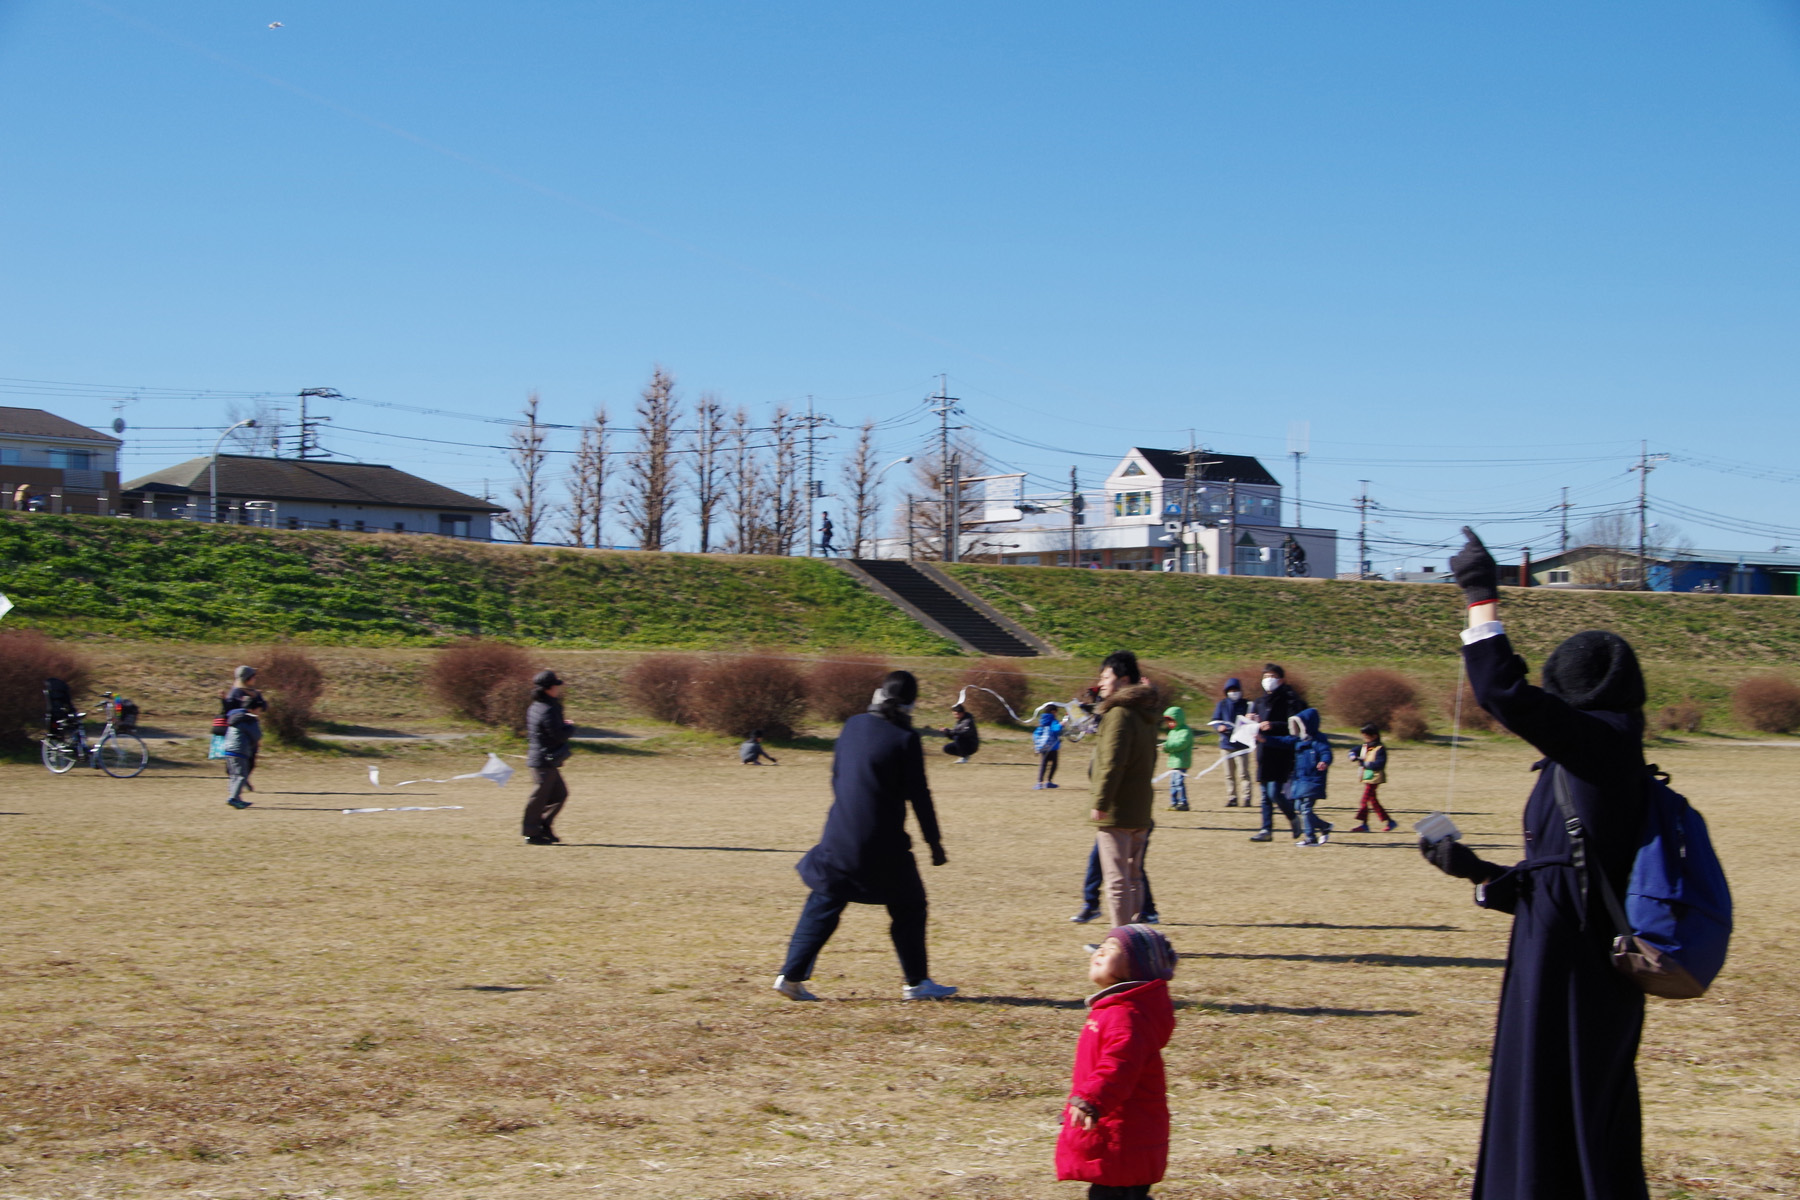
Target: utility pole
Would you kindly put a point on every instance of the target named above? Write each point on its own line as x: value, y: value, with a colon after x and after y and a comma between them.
x: 912, y: 526
x: 953, y: 542
x: 814, y: 489
x: 1646, y: 463
x: 307, y: 444
x: 1362, y: 531
x: 1187, y: 506
x: 1229, y: 550
x: 1299, y: 445
x: 1565, y: 518
x: 1074, y: 519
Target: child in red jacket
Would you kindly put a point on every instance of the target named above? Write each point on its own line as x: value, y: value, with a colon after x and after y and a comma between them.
x: 1115, y: 1134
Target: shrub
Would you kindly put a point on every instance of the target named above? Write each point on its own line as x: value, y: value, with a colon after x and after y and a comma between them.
x: 27, y: 658
x: 1684, y: 716
x: 1002, y: 675
x: 838, y: 688
x: 505, y: 704
x: 465, y: 674
x: 1409, y: 724
x: 658, y: 686
x: 1371, y: 697
x: 1767, y: 703
x: 292, y: 683
x: 1473, y: 715
x: 738, y: 694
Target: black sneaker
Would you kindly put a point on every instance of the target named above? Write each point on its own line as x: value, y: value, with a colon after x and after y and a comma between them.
x: 1149, y: 919
x: 1263, y: 836
x: 238, y: 803
x: 1088, y: 912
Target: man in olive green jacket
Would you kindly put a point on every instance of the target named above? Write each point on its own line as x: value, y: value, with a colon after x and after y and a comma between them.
x: 1120, y: 772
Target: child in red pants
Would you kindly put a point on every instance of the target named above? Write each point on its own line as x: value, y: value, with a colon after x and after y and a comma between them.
x: 1115, y: 1133
x: 1373, y: 757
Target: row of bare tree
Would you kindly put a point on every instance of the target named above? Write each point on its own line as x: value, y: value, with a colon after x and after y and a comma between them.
x: 742, y: 482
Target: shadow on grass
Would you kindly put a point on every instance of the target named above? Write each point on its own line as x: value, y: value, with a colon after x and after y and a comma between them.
x: 491, y: 987
x: 808, y: 742
x: 1282, y: 1010
x: 1329, y: 925
x: 1018, y: 1001
x: 642, y: 846
x: 1364, y: 960
x: 607, y: 747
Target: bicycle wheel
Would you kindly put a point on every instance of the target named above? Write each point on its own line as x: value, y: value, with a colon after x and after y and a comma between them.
x: 122, y: 755
x: 58, y: 756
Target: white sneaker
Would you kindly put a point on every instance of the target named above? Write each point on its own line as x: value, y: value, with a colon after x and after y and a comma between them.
x: 795, y: 989
x: 926, y: 990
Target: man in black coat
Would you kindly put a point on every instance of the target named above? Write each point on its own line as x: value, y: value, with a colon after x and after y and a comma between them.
x: 1562, y: 1119
x: 864, y: 855
x: 1275, y: 758
x: 547, y: 738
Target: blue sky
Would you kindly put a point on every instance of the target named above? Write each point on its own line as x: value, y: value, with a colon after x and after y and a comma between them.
x: 1482, y: 249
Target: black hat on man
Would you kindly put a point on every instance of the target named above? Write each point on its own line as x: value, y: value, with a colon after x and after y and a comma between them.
x: 545, y: 679
x: 1595, y: 670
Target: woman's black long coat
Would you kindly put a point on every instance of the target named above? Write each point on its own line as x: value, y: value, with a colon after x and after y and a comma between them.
x: 1562, y: 1119
x: 865, y: 855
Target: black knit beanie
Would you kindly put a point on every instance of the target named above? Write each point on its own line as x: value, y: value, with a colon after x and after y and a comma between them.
x: 1595, y: 670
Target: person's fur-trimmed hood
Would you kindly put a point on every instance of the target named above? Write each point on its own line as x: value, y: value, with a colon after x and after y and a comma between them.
x: 1140, y: 696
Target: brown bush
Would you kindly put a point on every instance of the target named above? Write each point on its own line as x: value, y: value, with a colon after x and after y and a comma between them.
x: 292, y: 683
x: 746, y: 692
x: 1684, y: 716
x: 1002, y: 675
x: 1371, y: 697
x: 506, y: 702
x: 1409, y: 724
x: 1473, y: 716
x: 1251, y: 678
x: 464, y: 675
x: 27, y: 658
x: 1767, y: 703
x: 658, y: 686
x: 839, y: 687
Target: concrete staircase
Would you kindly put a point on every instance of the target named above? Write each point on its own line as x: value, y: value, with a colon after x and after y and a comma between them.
x: 940, y: 605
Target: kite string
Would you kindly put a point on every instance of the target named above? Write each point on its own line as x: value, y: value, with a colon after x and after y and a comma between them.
x: 1455, y: 731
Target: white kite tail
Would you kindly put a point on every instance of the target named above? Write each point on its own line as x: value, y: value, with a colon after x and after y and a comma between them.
x: 1223, y: 759
x: 964, y: 695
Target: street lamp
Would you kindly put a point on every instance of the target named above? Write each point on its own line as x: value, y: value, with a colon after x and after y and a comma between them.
x: 876, y: 482
x: 212, y: 512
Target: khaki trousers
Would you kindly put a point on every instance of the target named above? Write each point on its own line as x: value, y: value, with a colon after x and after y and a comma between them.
x: 1122, y: 872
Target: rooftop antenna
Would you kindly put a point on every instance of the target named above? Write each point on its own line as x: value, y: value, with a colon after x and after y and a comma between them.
x: 1299, y: 445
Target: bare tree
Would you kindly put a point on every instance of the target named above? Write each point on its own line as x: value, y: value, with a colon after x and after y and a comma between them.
x: 1612, y: 561
x: 586, y: 510
x: 925, y: 523
x: 859, y: 488
x: 529, y: 512
x: 650, y: 471
x: 787, y: 487
x: 263, y: 438
x: 709, y: 467
x: 743, y: 474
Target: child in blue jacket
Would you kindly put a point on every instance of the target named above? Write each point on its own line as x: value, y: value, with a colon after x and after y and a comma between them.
x: 1226, y: 714
x: 1306, y: 787
x: 1046, y: 739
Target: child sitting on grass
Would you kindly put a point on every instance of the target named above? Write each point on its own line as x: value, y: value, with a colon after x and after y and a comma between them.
x: 1115, y: 1132
x: 752, y: 750
x: 1372, y: 755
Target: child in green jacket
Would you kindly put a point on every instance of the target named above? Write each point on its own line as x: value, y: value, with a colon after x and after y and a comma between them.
x: 1178, y: 744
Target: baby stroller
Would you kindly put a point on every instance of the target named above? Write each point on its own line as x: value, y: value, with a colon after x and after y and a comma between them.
x: 61, y: 720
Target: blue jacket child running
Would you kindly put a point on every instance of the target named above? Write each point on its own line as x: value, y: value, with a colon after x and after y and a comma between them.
x: 1311, y: 750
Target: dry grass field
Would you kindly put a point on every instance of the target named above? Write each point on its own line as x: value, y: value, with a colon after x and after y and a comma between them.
x: 291, y: 1002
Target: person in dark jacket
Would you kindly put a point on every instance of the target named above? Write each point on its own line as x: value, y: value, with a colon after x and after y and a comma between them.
x: 1225, y: 717
x: 964, y: 740
x: 864, y: 856
x: 243, y: 738
x: 236, y: 698
x: 1275, y: 758
x: 547, y: 737
x: 1562, y: 1119
x: 1119, y: 777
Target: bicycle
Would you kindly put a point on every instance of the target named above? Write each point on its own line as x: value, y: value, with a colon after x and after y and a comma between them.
x: 119, y: 751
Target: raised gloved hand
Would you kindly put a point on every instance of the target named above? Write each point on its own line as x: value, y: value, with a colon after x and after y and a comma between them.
x: 1457, y: 860
x: 1475, y: 570
x: 938, y: 857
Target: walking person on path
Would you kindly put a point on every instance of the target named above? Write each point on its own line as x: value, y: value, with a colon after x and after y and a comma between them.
x: 864, y: 855
x: 1120, y: 773
x: 547, y: 735
x: 1225, y: 717
x: 1562, y: 1120
x: 234, y: 698
x: 1274, y: 758
x: 243, y: 738
x: 1372, y: 757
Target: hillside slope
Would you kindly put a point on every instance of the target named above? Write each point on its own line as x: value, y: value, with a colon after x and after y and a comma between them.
x: 172, y: 579
x: 1093, y: 612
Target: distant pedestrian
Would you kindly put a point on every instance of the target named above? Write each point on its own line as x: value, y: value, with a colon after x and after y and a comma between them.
x: 547, y: 748
x: 1046, y: 739
x: 1372, y: 757
x: 1225, y: 717
x: 1274, y: 756
x: 239, y: 695
x: 864, y: 855
x: 1306, y: 785
x: 751, y: 752
x: 1115, y: 1125
x: 964, y: 739
x: 1120, y: 773
x: 1178, y: 744
x: 243, y: 737
x: 826, y: 529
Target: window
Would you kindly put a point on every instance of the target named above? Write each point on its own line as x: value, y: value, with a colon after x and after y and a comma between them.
x: 71, y: 460
x: 293, y: 522
x: 450, y: 525
x: 334, y: 523
x: 1132, y: 504
x: 399, y: 526
x: 358, y: 527
x: 11, y: 456
x: 1133, y: 469
x: 1561, y: 576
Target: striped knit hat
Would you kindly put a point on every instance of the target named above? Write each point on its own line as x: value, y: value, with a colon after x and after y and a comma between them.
x: 1149, y: 952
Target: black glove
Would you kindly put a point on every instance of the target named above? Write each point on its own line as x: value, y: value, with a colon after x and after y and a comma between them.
x: 938, y: 857
x: 1476, y: 572
x: 1457, y: 860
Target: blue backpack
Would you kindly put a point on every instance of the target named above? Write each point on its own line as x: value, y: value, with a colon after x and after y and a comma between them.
x: 1675, y: 925
x: 1046, y: 737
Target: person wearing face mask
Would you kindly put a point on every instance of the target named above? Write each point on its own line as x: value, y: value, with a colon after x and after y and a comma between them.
x: 1562, y: 1120
x: 1224, y: 719
x: 864, y: 855
x: 1275, y: 758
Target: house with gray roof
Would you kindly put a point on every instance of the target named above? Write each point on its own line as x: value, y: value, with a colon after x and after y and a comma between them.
x: 50, y: 464
x: 310, y: 493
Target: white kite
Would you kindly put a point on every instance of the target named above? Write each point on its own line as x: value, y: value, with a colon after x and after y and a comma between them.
x: 494, y: 770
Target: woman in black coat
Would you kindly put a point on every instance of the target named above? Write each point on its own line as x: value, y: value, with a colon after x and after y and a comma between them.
x: 864, y: 856
x: 1562, y: 1119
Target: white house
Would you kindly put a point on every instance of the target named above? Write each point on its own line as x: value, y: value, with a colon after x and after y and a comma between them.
x: 52, y: 464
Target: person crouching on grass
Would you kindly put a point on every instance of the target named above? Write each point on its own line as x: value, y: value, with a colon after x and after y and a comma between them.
x: 1115, y: 1130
